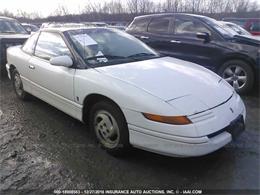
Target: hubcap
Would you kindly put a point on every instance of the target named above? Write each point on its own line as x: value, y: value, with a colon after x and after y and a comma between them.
x: 106, y: 129
x: 236, y: 76
x: 18, y: 84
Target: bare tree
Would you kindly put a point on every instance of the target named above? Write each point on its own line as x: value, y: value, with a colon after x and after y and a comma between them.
x: 132, y: 6
x: 61, y: 11
x: 254, y: 6
x: 7, y: 13
x: 127, y: 9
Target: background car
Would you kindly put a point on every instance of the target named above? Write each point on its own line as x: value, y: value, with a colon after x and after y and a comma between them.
x: 126, y: 92
x: 252, y: 25
x: 64, y: 25
x: 11, y: 33
x: 118, y: 27
x: 99, y: 24
x: 30, y: 27
x: 204, y: 41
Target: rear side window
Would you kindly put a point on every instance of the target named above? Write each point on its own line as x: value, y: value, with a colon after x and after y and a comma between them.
x: 29, y: 45
x: 159, y: 25
x: 51, y: 45
x: 189, y: 27
x: 139, y: 25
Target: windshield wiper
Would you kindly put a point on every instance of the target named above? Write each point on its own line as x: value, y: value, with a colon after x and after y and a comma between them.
x: 141, y: 55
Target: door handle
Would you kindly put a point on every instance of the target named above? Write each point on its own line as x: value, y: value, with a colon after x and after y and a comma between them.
x: 175, y: 41
x: 31, y: 67
x: 144, y: 37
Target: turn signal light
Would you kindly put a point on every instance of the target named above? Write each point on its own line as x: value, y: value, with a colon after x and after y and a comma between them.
x: 174, y: 120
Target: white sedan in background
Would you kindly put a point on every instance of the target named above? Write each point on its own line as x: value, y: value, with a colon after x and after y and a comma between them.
x: 127, y: 93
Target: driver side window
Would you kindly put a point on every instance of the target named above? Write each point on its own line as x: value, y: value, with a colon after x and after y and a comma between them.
x: 51, y: 45
x: 189, y: 27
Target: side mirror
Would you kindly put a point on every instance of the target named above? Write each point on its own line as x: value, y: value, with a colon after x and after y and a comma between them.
x: 61, y: 61
x: 205, y: 36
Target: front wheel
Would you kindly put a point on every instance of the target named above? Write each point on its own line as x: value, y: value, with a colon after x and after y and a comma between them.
x: 238, y: 74
x: 18, y: 86
x: 110, y: 127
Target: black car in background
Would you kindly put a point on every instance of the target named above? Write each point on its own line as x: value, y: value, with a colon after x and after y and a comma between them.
x: 11, y: 33
x: 204, y: 41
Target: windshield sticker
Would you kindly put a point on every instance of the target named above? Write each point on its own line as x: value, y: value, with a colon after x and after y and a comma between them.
x: 100, y: 53
x: 85, y: 39
x: 102, y: 59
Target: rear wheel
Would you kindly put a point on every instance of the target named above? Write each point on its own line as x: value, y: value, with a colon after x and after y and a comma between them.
x: 18, y: 86
x: 238, y: 74
x: 110, y: 127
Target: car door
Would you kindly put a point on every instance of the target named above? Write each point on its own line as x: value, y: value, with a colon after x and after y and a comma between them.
x: 138, y: 28
x: 26, y: 53
x: 159, y: 33
x: 53, y: 84
x: 187, y: 46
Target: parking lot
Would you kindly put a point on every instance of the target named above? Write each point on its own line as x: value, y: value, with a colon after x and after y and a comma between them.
x: 42, y: 148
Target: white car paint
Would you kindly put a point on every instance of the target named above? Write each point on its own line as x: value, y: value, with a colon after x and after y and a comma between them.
x: 164, y: 86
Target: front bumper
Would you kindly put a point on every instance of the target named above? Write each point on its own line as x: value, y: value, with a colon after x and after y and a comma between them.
x: 182, y: 147
x: 209, y: 132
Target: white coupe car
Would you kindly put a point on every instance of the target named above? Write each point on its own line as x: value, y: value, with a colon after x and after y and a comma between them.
x: 127, y: 93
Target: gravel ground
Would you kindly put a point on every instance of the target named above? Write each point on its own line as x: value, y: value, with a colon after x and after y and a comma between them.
x: 42, y: 149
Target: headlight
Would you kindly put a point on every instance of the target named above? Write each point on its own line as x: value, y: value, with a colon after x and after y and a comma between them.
x: 174, y: 120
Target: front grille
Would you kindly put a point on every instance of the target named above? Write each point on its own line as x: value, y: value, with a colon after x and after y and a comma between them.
x: 231, y: 128
x: 217, y: 132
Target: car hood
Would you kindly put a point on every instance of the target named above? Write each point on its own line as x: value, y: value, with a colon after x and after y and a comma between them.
x: 172, y: 79
x: 247, y: 39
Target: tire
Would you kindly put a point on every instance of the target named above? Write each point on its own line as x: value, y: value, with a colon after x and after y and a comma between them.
x: 18, y: 86
x: 238, y: 74
x: 110, y: 127
x: 3, y: 72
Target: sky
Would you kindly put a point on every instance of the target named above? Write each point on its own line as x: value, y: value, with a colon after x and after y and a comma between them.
x: 43, y: 7
x: 46, y: 7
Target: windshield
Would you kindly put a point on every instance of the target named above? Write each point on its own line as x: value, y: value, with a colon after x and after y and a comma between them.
x: 223, y: 29
x: 11, y: 26
x: 238, y: 29
x: 101, y: 46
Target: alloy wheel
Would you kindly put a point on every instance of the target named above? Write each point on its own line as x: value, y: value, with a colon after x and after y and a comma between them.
x: 236, y: 76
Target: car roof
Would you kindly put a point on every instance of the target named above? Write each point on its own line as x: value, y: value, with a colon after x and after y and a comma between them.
x: 241, y: 19
x: 6, y: 18
x: 171, y: 14
x: 64, y: 29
